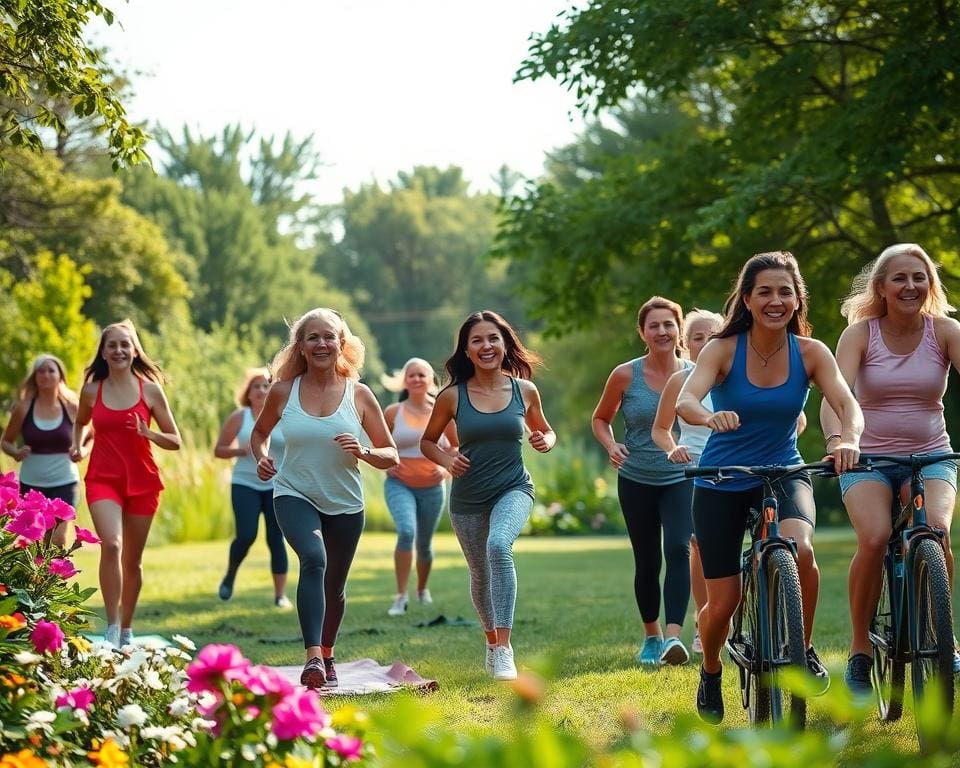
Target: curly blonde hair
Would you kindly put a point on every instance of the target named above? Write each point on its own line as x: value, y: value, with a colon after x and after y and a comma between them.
x: 864, y: 300
x: 290, y: 363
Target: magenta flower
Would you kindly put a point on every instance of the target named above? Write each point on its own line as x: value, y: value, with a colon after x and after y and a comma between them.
x: 214, y: 664
x: 9, y: 480
x: 348, y: 747
x: 46, y: 636
x: 61, y: 510
x: 28, y: 523
x: 78, y: 698
x: 22, y: 542
x: 85, y: 536
x: 263, y: 681
x: 9, y: 493
x: 60, y: 566
x: 299, y: 715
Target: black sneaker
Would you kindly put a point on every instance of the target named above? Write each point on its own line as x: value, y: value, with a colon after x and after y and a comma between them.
x: 710, y: 697
x: 226, y: 589
x: 857, y: 676
x: 817, y: 669
x: 330, y: 672
x: 313, y: 675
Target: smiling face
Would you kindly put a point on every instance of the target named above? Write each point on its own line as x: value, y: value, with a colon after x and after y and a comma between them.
x: 773, y: 300
x: 257, y: 391
x: 118, y: 348
x: 905, y: 285
x: 417, y: 377
x: 485, y: 346
x: 660, y: 331
x: 320, y: 346
x: 46, y: 376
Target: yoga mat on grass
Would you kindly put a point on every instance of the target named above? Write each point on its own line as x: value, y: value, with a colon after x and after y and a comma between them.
x: 367, y: 676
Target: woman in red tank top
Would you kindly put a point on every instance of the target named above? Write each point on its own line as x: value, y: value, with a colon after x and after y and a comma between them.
x: 120, y: 395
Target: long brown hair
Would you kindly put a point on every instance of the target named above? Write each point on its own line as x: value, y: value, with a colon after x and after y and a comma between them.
x: 518, y: 361
x: 737, y: 317
x: 658, y: 302
x: 142, y: 365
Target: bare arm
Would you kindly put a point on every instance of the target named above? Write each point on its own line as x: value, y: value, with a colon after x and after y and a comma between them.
x: 949, y: 331
x: 662, y: 431
x: 603, y: 415
x: 440, y: 418
x: 709, y: 368
x: 542, y: 437
x: 168, y: 437
x: 383, y: 454
x: 11, y: 433
x: 225, y: 448
x: 84, y: 411
x: 272, y: 408
x: 825, y: 373
x: 850, y: 350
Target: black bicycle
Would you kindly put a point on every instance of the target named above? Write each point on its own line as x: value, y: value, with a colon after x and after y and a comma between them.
x: 913, y: 622
x: 766, y: 633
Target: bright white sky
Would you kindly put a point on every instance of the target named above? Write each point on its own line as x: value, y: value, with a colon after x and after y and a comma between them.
x: 382, y: 84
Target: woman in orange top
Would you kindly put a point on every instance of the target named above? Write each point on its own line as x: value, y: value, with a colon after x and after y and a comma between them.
x: 121, y: 394
x: 414, y: 491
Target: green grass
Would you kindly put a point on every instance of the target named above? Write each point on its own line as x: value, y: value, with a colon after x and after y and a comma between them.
x: 576, y: 623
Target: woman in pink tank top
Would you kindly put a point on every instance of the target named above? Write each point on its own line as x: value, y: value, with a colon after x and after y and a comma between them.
x: 895, y: 355
x: 120, y: 395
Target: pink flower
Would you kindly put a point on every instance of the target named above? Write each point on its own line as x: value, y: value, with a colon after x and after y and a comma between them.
x: 60, y: 566
x: 22, y: 542
x: 9, y: 493
x: 348, y: 747
x: 9, y: 480
x: 85, y: 536
x: 262, y: 681
x: 214, y: 664
x: 28, y: 523
x: 299, y: 715
x: 61, y: 510
x: 46, y: 636
x: 78, y: 698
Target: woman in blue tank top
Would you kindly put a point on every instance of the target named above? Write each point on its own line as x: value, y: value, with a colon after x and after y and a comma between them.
x: 491, y: 399
x: 757, y: 371
x: 249, y: 495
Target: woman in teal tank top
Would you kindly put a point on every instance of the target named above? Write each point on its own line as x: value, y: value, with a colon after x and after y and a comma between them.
x: 491, y: 399
x: 758, y: 370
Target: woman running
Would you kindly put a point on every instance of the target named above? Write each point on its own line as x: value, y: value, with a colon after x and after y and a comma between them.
x: 121, y: 394
x: 326, y: 415
x: 414, y: 491
x: 491, y: 399
x: 895, y: 354
x: 249, y: 495
x: 40, y: 433
x: 758, y: 370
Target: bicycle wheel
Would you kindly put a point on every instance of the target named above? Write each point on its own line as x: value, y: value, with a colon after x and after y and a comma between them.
x: 756, y: 698
x: 889, y: 668
x: 933, y: 654
x: 784, y: 637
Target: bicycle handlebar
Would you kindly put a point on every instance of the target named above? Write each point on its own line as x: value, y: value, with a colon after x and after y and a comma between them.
x: 768, y: 471
x: 918, y: 460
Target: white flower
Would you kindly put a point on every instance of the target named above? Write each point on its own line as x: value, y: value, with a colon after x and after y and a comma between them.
x: 137, y: 659
x: 179, y: 707
x: 186, y: 642
x: 40, y: 721
x: 26, y: 657
x: 247, y: 753
x: 130, y: 715
x: 151, y: 679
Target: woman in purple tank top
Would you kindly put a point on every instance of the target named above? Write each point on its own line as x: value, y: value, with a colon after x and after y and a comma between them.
x: 39, y: 435
x: 895, y: 354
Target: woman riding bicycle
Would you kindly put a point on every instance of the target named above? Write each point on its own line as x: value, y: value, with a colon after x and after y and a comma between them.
x: 895, y: 354
x: 758, y: 370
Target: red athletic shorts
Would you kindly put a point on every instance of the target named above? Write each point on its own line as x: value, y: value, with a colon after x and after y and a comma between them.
x: 141, y: 504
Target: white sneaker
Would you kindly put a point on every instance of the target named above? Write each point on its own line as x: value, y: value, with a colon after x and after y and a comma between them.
x: 126, y: 637
x: 112, y: 636
x: 424, y: 596
x: 503, y: 666
x: 399, y: 606
x: 488, y: 660
x: 696, y: 646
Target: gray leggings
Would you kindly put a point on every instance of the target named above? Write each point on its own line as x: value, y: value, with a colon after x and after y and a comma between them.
x: 325, y: 545
x: 487, y: 544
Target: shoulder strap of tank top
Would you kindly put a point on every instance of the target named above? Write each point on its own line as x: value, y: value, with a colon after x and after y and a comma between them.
x: 99, y: 398
x: 29, y: 415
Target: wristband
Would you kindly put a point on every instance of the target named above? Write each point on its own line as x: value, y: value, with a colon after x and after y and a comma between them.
x: 829, y: 438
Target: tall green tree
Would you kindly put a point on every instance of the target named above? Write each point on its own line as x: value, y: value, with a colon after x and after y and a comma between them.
x: 827, y: 128
x: 43, y: 50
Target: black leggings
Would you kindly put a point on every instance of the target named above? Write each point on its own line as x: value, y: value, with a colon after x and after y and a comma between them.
x: 325, y: 545
x: 248, y: 503
x: 653, y: 512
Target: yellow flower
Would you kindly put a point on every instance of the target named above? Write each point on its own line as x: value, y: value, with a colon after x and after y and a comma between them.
x: 109, y: 755
x: 80, y: 643
x: 348, y: 716
x: 23, y: 759
x: 16, y: 621
x: 297, y: 762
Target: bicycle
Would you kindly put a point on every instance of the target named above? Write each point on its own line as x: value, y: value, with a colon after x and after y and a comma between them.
x: 766, y: 633
x: 913, y: 622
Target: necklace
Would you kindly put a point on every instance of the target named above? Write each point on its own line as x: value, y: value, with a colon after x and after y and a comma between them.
x: 765, y: 358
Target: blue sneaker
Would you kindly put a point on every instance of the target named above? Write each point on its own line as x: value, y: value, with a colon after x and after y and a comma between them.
x: 956, y: 662
x: 649, y: 655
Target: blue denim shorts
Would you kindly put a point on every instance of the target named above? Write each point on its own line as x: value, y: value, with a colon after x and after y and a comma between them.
x: 895, y: 476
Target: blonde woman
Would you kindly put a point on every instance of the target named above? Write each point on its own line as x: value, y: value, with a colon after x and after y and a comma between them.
x: 250, y: 496
x: 39, y: 434
x: 414, y: 490
x: 327, y: 417
x: 895, y: 354
x: 121, y: 395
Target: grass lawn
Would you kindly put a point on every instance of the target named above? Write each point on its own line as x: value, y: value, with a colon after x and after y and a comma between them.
x: 576, y: 623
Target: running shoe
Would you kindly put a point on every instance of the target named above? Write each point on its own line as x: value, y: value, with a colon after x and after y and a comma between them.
x: 503, y: 666
x: 817, y: 669
x: 313, y: 675
x: 857, y: 676
x: 673, y: 652
x: 330, y: 672
x: 650, y: 651
x: 399, y: 606
x: 424, y: 597
x: 710, y: 697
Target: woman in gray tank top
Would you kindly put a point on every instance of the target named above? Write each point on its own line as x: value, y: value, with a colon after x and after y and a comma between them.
x: 318, y: 496
x: 491, y: 399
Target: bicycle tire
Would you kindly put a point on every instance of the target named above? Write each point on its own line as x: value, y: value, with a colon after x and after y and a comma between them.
x: 783, y: 644
x: 889, y: 667
x: 747, y: 631
x: 933, y: 658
